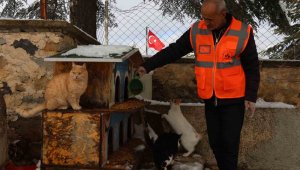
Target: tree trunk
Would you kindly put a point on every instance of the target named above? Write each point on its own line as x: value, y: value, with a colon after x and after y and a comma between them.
x: 83, y: 15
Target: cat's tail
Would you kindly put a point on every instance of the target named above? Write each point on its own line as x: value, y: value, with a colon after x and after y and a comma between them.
x: 33, y: 112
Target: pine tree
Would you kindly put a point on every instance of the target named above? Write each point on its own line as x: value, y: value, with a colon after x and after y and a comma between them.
x: 12, y: 8
x: 56, y: 10
x: 289, y: 48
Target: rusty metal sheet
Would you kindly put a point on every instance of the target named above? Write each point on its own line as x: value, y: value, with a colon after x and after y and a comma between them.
x: 71, y: 139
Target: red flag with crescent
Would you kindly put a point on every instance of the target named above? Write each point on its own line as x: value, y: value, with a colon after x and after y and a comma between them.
x: 154, y: 41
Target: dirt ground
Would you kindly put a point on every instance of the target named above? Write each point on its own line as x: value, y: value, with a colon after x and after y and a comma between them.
x: 282, y: 151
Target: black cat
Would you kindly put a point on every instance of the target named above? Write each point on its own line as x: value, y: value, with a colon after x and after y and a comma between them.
x: 164, y: 148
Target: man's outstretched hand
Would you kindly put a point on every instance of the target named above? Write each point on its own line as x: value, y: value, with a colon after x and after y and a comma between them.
x: 250, y: 107
x: 141, y: 71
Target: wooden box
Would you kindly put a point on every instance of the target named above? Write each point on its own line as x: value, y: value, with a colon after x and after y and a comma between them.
x: 83, y: 139
x: 75, y: 138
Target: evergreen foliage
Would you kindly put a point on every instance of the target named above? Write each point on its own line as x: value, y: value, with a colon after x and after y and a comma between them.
x: 289, y: 48
x: 56, y: 10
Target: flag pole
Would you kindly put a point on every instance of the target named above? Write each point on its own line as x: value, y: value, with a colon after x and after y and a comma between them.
x: 147, y: 41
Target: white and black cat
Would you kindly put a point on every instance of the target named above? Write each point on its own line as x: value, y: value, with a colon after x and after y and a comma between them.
x: 164, y: 147
x: 189, y: 136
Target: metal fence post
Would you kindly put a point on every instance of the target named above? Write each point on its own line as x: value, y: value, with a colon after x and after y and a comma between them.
x: 106, y: 22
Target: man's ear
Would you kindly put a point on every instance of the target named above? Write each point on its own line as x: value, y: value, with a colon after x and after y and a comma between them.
x: 224, y: 12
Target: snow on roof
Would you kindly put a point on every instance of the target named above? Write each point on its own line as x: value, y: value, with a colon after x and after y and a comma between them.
x: 95, y: 53
x: 99, y: 51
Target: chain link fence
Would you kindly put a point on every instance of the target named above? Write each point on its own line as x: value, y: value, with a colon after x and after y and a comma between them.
x: 132, y: 23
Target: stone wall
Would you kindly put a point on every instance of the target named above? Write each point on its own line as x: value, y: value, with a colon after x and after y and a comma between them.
x: 280, y: 81
x: 23, y: 46
x: 23, y: 68
x: 22, y: 65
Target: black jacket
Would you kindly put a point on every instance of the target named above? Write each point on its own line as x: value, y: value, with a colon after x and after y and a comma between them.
x: 249, y: 60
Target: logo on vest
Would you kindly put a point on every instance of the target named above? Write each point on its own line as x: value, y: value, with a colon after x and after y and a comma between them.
x: 204, y: 49
x: 228, y: 55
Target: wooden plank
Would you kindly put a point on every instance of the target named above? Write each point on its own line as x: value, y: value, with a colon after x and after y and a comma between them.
x: 105, y: 121
x: 116, y: 136
x: 124, y: 129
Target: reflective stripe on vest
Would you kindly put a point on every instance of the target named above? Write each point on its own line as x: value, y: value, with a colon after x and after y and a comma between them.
x: 242, y: 34
x: 195, y: 31
x: 220, y: 65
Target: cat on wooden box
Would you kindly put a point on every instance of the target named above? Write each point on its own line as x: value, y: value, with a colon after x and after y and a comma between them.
x: 62, y: 91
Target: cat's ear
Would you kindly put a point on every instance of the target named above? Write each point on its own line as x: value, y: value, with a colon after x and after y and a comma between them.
x: 177, y: 101
x: 73, y: 64
x: 84, y: 65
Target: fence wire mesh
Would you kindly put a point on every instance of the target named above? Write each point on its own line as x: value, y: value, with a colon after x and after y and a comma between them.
x: 132, y: 23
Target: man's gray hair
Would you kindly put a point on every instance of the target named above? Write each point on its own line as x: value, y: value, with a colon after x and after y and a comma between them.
x: 221, y: 5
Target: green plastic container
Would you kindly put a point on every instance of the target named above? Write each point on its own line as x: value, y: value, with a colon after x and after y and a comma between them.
x: 135, y: 86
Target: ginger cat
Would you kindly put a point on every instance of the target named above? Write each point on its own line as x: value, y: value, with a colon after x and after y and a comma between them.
x: 62, y: 91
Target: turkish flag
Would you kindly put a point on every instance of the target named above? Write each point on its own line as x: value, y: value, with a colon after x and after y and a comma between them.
x: 154, y: 42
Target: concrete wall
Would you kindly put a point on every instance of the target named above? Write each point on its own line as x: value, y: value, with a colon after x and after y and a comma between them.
x: 280, y: 81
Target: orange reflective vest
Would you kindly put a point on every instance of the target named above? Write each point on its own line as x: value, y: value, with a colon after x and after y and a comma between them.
x: 218, y: 68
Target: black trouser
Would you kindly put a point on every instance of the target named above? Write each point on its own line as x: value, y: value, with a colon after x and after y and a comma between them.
x: 224, y: 124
